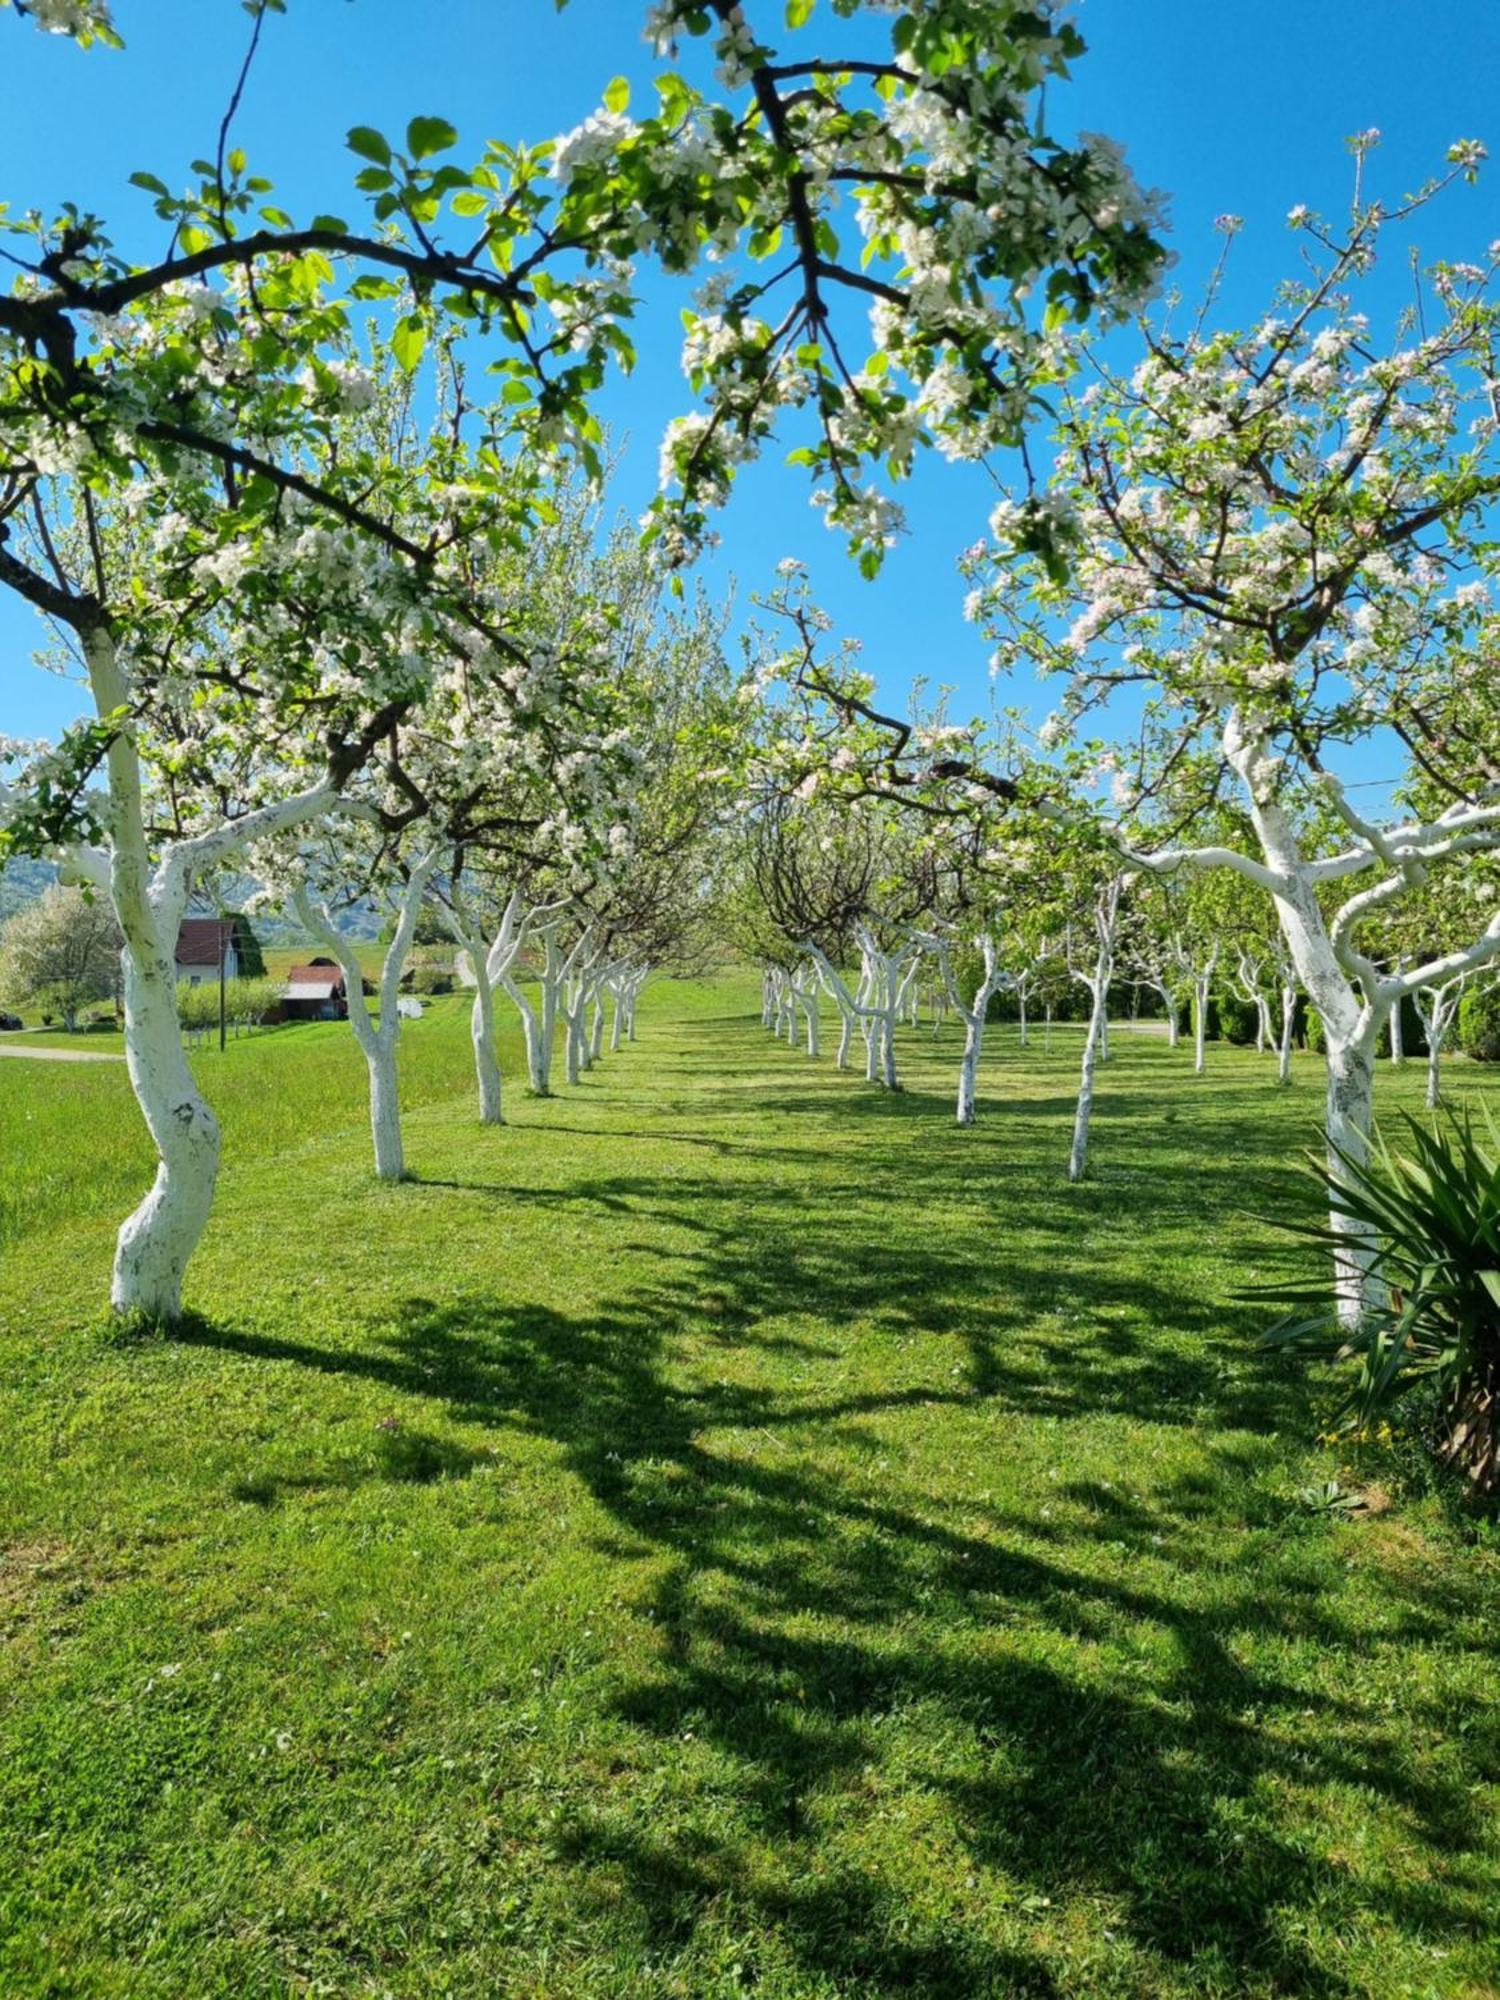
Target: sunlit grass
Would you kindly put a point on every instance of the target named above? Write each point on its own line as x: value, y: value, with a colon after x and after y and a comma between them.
x: 729, y: 1531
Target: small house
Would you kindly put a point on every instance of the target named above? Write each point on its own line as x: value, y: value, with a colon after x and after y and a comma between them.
x: 202, y: 942
x: 317, y: 992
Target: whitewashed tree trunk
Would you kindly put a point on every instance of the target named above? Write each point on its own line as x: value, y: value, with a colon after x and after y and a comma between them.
x: 155, y: 1243
x: 1284, y: 1047
x: 1078, y: 1155
x: 539, y: 1022
x: 378, y: 1042
x: 637, y: 985
x: 806, y: 988
x: 531, y: 1033
x: 482, y: 1038
x: 1106, y: 913
x: 1437, y: 1008
x: 884, y: 987
x: 1350, y: 1028
x: 1398, y: 1047
x: 1202, y: 986
x: 575, y: 1050
x: 1170, y: 1009
x: 973, y: 1015
x: 489, y: 961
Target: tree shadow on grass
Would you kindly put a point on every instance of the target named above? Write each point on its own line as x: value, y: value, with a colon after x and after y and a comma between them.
x: 835, y: 1645
x: 1097, y: 1699
x: 399, y: 1455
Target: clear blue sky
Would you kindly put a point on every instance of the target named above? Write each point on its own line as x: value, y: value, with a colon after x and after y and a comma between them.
x: 1228, y: 107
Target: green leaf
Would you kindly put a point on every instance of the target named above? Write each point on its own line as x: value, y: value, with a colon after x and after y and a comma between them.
x: 617, y: 94
x: 149, y: 182
x: 331, y: 225
x: 799, y: 12
x: 425, y: 136
x: 408, y: 338
x: 369, y: 144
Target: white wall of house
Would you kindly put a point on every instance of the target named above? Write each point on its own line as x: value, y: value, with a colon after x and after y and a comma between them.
x: 202, y: 975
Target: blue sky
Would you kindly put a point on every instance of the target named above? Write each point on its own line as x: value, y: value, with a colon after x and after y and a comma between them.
x: 1238, y: 108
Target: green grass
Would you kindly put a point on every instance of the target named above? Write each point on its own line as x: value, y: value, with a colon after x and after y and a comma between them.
x: 727, y: 1532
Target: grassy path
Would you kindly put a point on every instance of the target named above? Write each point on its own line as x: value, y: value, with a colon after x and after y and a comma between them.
x: 728, y: 1532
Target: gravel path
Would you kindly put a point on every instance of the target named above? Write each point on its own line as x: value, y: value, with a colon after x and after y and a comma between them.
x: 55, y: 1055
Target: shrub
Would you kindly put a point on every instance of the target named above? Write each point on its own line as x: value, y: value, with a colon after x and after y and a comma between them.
x: 1434, y: 1214
x: 1479, y: 1023
x: 1237, y: 1018
x: 431, y: 979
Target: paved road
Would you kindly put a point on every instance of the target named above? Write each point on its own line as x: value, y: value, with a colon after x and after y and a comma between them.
x: 55, y: 1055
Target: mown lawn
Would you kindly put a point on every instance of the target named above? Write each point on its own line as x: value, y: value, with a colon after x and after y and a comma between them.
x: 728, y: 1532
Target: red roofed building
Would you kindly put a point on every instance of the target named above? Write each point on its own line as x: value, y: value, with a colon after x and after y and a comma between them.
x: 317, y: 992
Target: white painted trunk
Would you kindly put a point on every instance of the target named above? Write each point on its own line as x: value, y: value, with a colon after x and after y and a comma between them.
x: 482, y: 1035
x: 385, y: 1106
x: 531, y: 1032
x: 1078, y: 1157
x: 379, y: 1044
x: 155, y: 1243
x: 887, y: 1040
x: 1200, y: 1025
x: 551, y: 1010
x: 1349, y: 1106
x: 575, y: 1053
x: 1284, y: 1048
x: 1398, y: 1048
x: 968, y: 1068
x: 1350, y: 1029
x: 1436, y: 1008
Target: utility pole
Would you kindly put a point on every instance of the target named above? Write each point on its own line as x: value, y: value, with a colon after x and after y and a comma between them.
x: 223, y: 997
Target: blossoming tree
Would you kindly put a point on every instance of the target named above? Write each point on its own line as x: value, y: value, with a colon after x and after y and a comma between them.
x: 1277, y: 536
x: 219, y: 370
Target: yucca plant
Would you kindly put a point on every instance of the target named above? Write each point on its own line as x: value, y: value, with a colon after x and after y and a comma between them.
x: 1433, y: 1211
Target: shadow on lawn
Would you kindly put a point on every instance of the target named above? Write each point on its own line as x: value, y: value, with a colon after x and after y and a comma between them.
x: 807, y: 1609
x: 803, y: 1616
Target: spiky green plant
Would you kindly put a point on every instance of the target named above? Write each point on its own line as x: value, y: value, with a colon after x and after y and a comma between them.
x: 1433, y: 1210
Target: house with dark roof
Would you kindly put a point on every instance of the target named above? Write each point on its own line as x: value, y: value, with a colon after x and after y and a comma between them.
x: 202, y: 941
